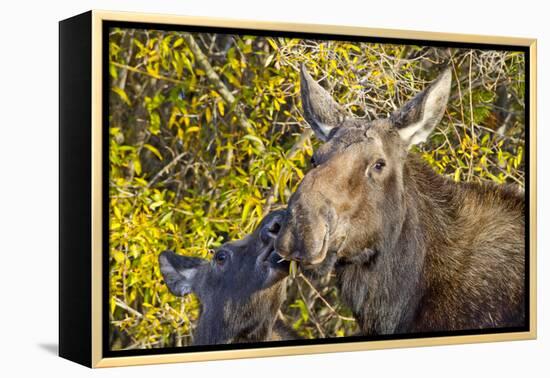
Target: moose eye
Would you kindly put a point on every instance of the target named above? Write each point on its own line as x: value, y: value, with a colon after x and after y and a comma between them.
x: 379, y: 165
x: 220, y: 257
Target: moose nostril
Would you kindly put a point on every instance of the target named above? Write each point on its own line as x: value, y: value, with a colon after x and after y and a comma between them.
x: 271, y: 228
x: 274, y: 228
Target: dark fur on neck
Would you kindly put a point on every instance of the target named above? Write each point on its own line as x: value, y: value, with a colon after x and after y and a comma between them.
x: 456, y: 262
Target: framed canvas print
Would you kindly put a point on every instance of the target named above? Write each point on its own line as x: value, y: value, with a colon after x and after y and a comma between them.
x: 235, y: 189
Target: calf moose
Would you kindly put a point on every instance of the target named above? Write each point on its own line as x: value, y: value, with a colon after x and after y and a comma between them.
x: 240, y: 290
x: 413, y: 251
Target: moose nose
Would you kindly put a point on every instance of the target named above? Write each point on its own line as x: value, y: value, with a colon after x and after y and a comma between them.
x: 286, y: 249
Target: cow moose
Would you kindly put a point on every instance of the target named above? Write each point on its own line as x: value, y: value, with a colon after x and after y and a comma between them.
x: 240, y: 290
x: 413, y: 251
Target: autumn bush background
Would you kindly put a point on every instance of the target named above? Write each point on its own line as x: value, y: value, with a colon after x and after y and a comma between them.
x: 207, y: 136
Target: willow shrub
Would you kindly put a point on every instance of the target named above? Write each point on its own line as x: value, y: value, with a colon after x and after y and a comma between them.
x: 191, y: 167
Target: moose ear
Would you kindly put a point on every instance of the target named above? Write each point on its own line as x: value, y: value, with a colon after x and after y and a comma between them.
x: 418, y: 117
x: 179, y: 272
x: 321, y: 112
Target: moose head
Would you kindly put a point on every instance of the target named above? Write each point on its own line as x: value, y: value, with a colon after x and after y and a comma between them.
x: 240, y: 289
x: 354, y: 199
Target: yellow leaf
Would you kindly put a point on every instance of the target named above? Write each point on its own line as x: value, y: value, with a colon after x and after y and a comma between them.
x: 118, y: 256
x: 112, y: 303
x: 192, y: 129
x: 220, y: 108
x: 123, y: 96
x: 137, y: 165
x: 118, y: 215
x: 156, y: 204
x: 152, y: 69
x: 113, y: 71
x: 246, y: 210
x: 457, y: 175
x: 272, y: 43
x: 153, y: 150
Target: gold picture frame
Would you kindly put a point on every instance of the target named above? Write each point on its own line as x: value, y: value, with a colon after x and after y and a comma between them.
x: 81, y: 265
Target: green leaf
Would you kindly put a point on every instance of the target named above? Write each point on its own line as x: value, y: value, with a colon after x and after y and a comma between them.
x: 166, y: 218
x: 303, y: 309
x: 113, y: 71
x: 254, y: 139
x: 155, y: 122
x: 156, y: 204
x: 292, y: 269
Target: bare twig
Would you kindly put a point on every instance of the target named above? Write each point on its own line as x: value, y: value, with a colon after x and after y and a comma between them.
x: 312, y: 315
x: 124, y: 306
x: 213, y: 77
x: 165, y: 169
x: 332, y: 309
x: 124, y: 74
x: 153, y: 75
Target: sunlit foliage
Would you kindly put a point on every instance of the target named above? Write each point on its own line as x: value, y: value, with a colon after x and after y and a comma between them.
x: 197, y: 159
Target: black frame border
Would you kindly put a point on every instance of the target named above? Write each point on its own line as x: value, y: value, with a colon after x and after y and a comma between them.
x: 75, y: 194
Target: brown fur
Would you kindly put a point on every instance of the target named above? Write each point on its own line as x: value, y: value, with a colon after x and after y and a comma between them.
x: 466, y: 272
x: 413, y: 251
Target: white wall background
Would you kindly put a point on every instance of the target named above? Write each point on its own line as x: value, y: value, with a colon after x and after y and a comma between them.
x: 29, y: 189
